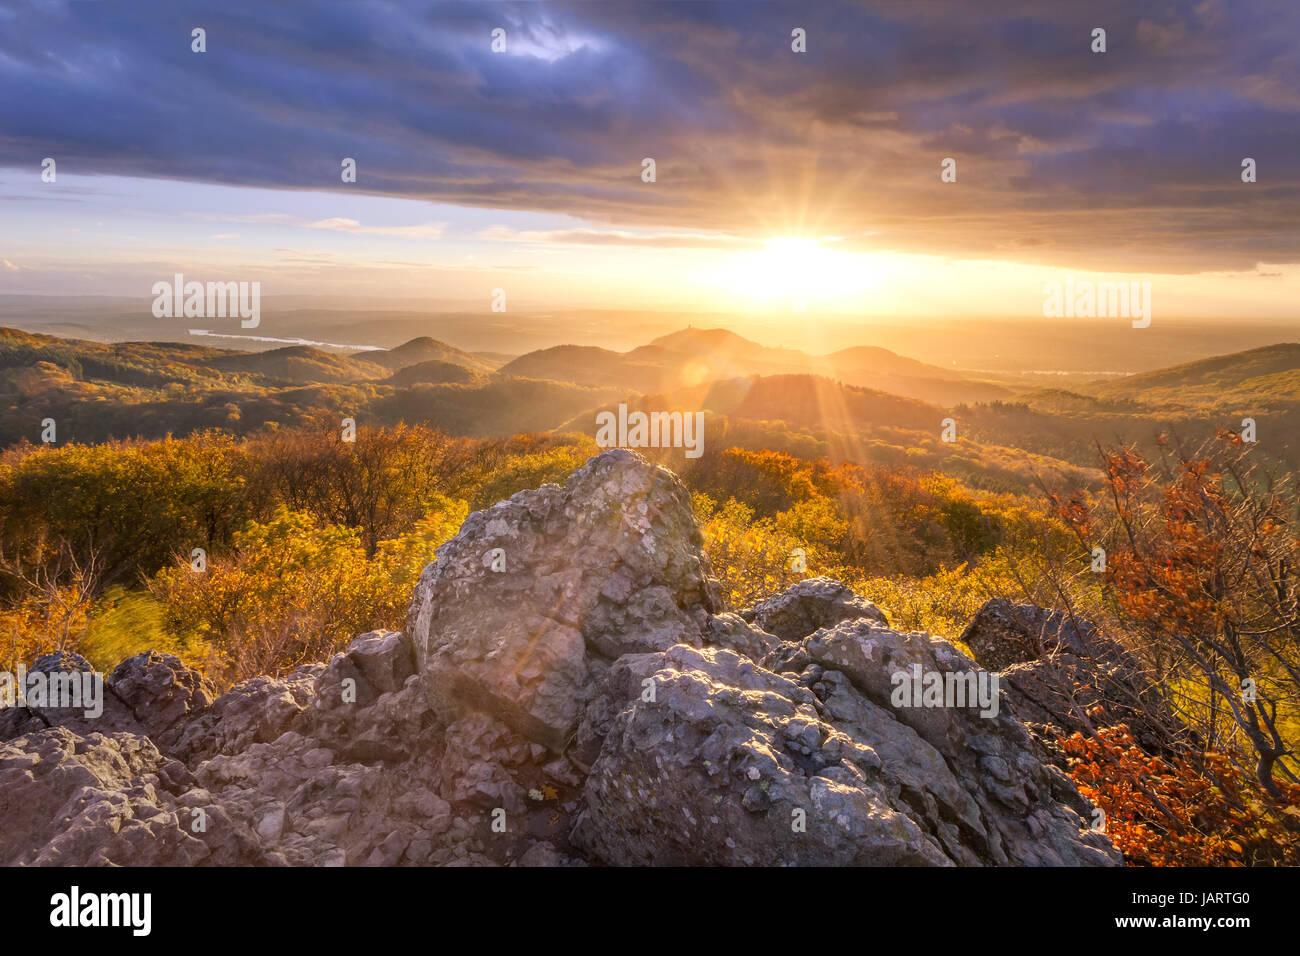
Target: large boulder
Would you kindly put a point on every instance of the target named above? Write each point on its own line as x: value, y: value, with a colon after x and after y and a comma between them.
x: 517, y: 605
x: 1004, y: 633
x: 702, y: 757
x: 990, y: 793
x: 730, y: 764
x: 1062, y: 676
x: 149, y: 694
x: 809, y: 605
x: 160, y: 691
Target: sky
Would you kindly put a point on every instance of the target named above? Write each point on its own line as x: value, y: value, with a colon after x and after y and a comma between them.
x: 783, y: 180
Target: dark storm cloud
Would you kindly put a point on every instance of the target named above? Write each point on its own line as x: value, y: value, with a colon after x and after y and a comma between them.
x: 1128, y: 159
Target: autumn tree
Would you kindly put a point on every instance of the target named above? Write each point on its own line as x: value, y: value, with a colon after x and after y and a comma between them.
x: 292, y: 590
x: 130, y: 505
x: 1200, y: 559
x: 381, y: 483
x: 52, y: 605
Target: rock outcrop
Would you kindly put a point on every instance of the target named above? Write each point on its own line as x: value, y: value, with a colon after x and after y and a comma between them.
x: 815, y: 603
x: 149, y: 694
x: 1056, y: 669
x: 568, y: 690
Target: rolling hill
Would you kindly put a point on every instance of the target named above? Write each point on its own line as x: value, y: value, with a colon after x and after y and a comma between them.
x: 691, y: 356
x: 435, y: 372
x: 1269, y: 375
x: 863, y: 403
x: 424, y: 349
x: 299, y: 365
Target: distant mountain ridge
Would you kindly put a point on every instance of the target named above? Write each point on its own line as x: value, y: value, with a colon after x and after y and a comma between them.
x: 862, y: 403
x: 690, y: 356
x: 1268, y: 373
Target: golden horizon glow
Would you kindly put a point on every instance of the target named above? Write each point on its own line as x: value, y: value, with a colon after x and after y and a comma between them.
x: 794, y: 268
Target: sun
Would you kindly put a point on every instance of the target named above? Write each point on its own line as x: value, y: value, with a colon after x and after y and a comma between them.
x: 798, y: 269
x: 798, y: 251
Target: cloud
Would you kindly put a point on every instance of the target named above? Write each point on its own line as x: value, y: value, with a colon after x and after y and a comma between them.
x: 613, y: 237
x: 431, y: 230
x: 270, y: 218
x: 9, y: 266
x: 1128, y: 159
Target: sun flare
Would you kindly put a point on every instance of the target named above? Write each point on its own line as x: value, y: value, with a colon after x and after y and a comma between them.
x: 799, y: 270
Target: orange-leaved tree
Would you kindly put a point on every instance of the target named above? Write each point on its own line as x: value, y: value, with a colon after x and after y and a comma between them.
x: 1200, y: 563
x: 1180, y: 812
